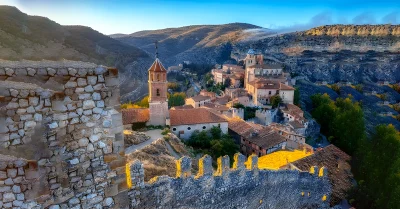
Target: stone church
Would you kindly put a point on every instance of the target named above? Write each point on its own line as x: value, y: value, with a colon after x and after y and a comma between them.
x: 158, y: 98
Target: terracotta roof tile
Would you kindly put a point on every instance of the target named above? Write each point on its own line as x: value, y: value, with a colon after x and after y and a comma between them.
x: 157, y: 66
x: 339, y: 170
x: 199, y: 98
x: 242, y: 127
x: 267, y: 138
x: 193, y: 116
x: 135, y: 115
x: 294, y: 110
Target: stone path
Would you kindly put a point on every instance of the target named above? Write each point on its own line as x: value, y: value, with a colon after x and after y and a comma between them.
x: 154, y: 135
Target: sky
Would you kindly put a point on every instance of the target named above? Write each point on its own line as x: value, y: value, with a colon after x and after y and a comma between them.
x: 128, y: 16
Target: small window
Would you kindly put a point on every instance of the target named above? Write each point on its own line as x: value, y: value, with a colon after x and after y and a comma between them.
x: 158, y: 92
x: 204, y: 127
x: 158, y: 77
x: 174, y: 129
x: 189, y: 128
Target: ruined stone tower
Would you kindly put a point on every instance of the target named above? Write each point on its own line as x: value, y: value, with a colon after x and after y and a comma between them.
x: 158, y: 100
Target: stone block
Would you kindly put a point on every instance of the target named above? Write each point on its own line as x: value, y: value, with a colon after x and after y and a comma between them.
x: 239, y: 161
x: 183, y: 167
x: 205, y: 166
x: 252, y: 162
x: 223, y: 165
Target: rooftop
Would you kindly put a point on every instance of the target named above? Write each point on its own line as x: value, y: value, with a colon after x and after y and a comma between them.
x: 267, y: 66
x: 276, y: 160
x: 157, y: 66
x: 267, y: 138
x: 193, y: 116
x: 135, y: 115
x: 199, y: 98
x: 242, y: 127
x: 294, y: 110
x: 269, y: 84
x: 339, y: 170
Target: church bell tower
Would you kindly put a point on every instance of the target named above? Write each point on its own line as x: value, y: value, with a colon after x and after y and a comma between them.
x: 158, y: 99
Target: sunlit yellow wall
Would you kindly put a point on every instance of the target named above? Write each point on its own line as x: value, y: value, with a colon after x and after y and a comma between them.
x: 278, y: 159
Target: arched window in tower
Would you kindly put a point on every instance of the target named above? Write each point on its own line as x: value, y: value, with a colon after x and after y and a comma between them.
x: 158, y: 92
x: 158, y: 77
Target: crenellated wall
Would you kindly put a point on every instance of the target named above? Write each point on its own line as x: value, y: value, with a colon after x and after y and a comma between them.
x: 61, y: 146
x: 62, y: 117
x: 242, y: 186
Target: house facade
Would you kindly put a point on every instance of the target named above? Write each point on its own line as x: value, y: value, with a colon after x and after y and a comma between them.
x: 197, y: 101
x: 186, y: 121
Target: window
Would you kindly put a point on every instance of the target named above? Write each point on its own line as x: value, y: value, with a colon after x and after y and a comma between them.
x: 270, y: 92
x: 158, y: 77
x: 189, y: 128
x: 174, y: 129
x: 204, y: 127
x: 158, y: 92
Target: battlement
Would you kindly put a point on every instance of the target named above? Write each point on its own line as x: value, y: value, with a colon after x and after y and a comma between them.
x: 243, y: 185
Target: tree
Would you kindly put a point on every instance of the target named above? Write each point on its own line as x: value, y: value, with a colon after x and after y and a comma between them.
x: 215, y: 132
x: 275, y: 101
x: 296, y: 98
x: 144, y: 102
x: 359, y: 88
x: 227, y: 82
x: 336, y: 88
x: 176, y: 99
x: 378, y: 170
x: 238, y: 105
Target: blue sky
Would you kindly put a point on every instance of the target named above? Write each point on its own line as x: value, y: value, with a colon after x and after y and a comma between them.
x: 128, y: 16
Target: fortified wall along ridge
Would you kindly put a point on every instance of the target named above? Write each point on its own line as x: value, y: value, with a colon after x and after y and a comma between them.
x: 61, y: 146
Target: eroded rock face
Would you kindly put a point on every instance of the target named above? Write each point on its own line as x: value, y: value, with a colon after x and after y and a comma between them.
x: 59, y: 128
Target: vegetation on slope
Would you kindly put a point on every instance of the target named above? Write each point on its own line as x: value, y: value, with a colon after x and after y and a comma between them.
x: 214, y: 143
x: 376, y: 161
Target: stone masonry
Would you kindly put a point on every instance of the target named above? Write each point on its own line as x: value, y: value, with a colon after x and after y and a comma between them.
x: 243, y: 186
x: 61, y: 138
x: 61, y: 146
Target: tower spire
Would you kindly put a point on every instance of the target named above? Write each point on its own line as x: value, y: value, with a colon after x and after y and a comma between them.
x: 156, y: 44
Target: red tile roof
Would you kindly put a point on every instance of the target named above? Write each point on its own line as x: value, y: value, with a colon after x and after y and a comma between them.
x: 339, y: 170
x: 267, y: 138
x: 193, y: 116
x: 135, y: 115
x: 242, y: 127
x: 157, y: 66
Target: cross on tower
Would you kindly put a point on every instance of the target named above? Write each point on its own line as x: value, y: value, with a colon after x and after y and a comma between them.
x: 156, y: 44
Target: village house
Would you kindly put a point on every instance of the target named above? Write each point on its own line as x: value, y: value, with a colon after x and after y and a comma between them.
x: 262, y: 90
x: 184, y: 122
x: 210, y: 94
x: 197, y: 101
x: 263, y: 142
x: 234, y: 72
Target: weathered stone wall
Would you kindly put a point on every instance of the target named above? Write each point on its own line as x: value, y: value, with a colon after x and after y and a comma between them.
x: 237, y: 187
x: 63, y: 117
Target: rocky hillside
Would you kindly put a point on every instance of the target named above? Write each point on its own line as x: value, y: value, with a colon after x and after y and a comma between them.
x: 36, y: 38
x: 199, y: 43
x: 335, y: 53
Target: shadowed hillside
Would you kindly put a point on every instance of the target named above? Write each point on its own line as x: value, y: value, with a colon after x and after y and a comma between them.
x: 35, y: 38
x: 207, y: 41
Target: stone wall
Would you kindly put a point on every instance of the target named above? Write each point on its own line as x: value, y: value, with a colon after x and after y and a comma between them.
x: 243, y: 186
x: 63, y: 118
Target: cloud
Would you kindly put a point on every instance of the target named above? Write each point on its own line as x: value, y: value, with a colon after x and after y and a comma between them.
x: 323, y: 18
x: 364, y: 18
x: 391, y: 18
